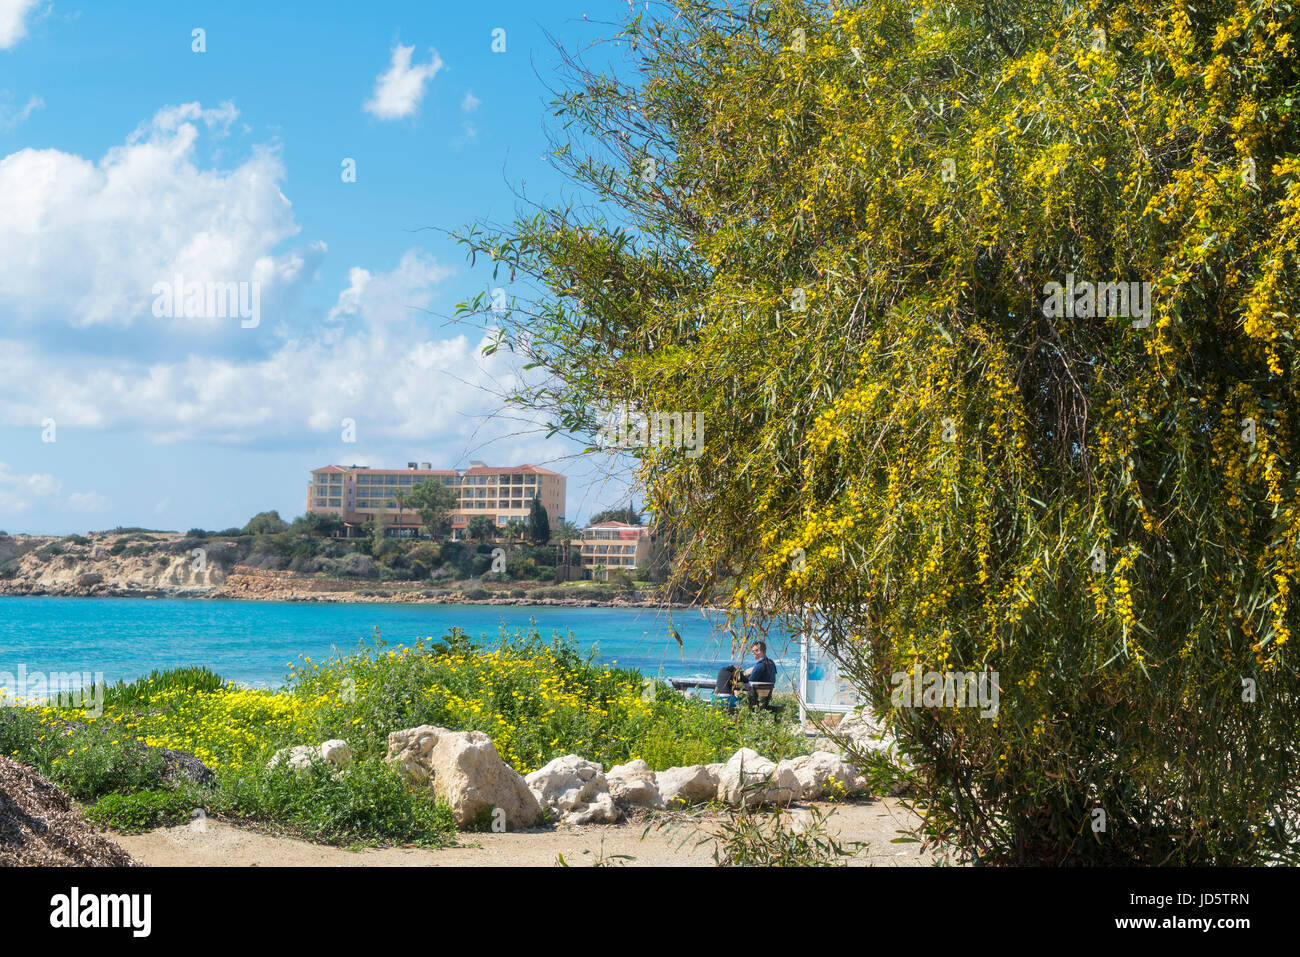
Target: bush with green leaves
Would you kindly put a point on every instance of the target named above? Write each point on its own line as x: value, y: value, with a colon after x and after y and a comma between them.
x: 140, y: 811
x: 364, y: 804
x: 89, y: 764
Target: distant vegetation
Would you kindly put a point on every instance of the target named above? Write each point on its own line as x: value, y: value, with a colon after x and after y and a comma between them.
x: 627, y: 514
x: 313, y: 545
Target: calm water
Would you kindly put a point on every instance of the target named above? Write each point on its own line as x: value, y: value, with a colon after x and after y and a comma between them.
x: 254, y: 642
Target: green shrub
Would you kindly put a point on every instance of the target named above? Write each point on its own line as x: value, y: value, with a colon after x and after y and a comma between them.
x: 144, y: 810
x: 24, y: 738
x: 90, y: 764
x: 751, y: 837
x: 365, y: 804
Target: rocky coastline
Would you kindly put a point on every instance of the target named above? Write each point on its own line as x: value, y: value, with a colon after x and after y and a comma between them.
x: 28, y: 569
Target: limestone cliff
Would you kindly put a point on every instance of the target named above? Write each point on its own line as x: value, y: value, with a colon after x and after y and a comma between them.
x: 106, y: 563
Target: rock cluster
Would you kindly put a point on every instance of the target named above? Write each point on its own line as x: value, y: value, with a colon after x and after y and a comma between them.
x: 577, y: 791
x: 464, y: 769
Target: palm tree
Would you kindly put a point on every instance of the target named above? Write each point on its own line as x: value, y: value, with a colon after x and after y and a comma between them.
x: 567, y: 532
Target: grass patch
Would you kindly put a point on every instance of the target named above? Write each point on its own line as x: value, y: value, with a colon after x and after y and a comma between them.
x: 142, y: 691
x: 365, y: 804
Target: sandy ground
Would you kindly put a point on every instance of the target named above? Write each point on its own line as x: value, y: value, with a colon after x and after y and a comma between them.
x: 223, y: 845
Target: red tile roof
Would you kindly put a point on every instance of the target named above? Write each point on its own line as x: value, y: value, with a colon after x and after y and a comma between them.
x: 511, y: 469
x: 484, y: 470
x: 364, y: 468
x: 410, y: 471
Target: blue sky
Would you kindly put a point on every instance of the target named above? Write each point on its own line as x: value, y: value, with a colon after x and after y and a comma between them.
x: 127, y: 158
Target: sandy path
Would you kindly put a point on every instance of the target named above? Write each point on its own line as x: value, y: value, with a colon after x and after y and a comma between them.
x: 223, y: 845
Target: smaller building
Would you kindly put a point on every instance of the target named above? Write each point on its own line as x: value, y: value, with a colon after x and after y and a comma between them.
x: 615, y: 545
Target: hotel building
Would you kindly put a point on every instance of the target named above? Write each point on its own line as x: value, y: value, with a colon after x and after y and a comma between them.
x: 615, y: 545
x: 356, y: 493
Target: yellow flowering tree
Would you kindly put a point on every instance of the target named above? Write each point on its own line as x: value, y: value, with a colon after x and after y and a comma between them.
x: 989, y: 311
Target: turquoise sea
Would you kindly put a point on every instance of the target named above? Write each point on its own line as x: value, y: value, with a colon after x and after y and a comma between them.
x: 254, y: 642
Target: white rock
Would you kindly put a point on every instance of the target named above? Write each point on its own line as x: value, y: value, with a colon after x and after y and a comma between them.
x: 567, y: 782
x: 464, y: 769
x: 601, y: 810
x: 752, y: 779
x: 575, y: 789
x: 634, y: 785
x: 335, y: 753
x: 297, y: 757
x: 688, y: 785
x: 816, y: 773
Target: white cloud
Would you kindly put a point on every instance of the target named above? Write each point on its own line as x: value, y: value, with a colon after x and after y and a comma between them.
x: 13, y: 21
x: 18, y: 492
x: 373, y: 360
x: 85, y: 241
x: 399, y: 90
x: 87, y: 502
x: 471, y: 102
x: 391, y: 297
x: 11, y: 116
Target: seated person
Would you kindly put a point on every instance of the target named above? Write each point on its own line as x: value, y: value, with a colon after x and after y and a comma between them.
x: 763, y: 671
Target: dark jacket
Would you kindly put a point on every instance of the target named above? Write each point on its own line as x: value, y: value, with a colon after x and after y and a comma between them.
x: 764, y: 671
